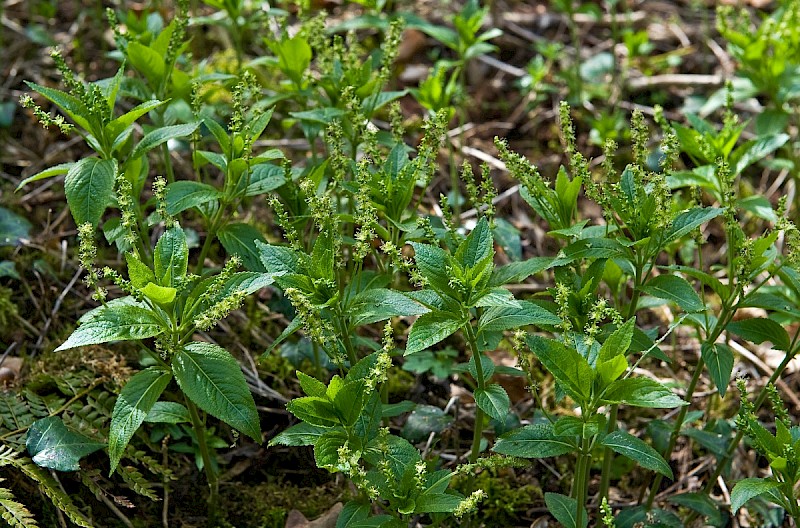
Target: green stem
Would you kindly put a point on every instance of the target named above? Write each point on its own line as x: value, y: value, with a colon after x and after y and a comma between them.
x: 673, y: 438
x: 608, y: 454
x: 210, y: 235
x: 477, y: 433
x: 582, y: 481
x: 759, y: 401
x: 205, y: 453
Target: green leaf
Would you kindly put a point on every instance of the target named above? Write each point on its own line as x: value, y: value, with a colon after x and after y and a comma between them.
x: 611, y: 369
x: 52, y: 445
x: 690, y: 220
x: 294, y: 56
x: 138, y: 272
x: 749, y: 488
x: 72, y: 106
x: 431, y: 262
x: 89, y: 186
x: 379, y: 304
x: 114, y: 323
x: 436, y: 503
x: 533, y: 441
x: 755, y: 150
x: 13, y: 228
x: 162, y: 135
x: 642, y: 392
x: 240, y: 239
x: 168, y: 412
x: 118, y: 125
x: 315, y: 410
x: 618, y: 342
x: 675, y: 289
x: 147, y: 61
x: 326, y: 449
x: 278, y: 259
x: 700, y: 503
x: 566, y: 365
x: 159, y: 294
x: 424, y: 420
x: 494, y: 401
x: 311, y: 386
x: 185, y: 194
x: 133, y: 404
x: 302, y: 434
x: 719, y: 360
x: 171, y: 257
x: 506, y: 318
x: 322, y: 257
x: 759, y: 330
x: 213, y: 380
x: 477, y: 246
x: 635, y: 449
x: 55, y: 170
x: 429, y: 329
x: 565, y: 510
x: 265, y: 177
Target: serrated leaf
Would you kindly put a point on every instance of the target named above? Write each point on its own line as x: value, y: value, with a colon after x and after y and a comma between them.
x: 719, y: 361
x: 133, y: 403
x: 168, y: 412
x: 566, y: 365
x: 162, y: 135
x: 379, y: 304
x: 533, y: 441
x: 638, y: 451
x: 171, y: 257
x: 565, y: 510
x: 477, y: 246
x: 436, y: 503
x: 429, y: 329
x: 431, y: 261
x: 302, y: 434
x: 749, y: 488
x: 494, y: 401
x: 240, y: 239
x: 618, y: 342
x: 159, y: 294
x: 114, y: 323
x: 52, y: 445
x: 138, y: 272
x: 642, y: 392
x: 506, y: 318
x: 213, y: 380
x: 89, y: 187
x: 675, y: 289
x: 759, y: 330
x: 185, y: 194
x: 687, y: 221
x: 55, y: 170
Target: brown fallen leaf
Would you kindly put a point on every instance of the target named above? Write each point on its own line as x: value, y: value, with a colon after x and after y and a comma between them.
x: 295, y: 519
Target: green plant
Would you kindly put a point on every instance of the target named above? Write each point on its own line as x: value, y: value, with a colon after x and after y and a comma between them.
x: 780, y: 450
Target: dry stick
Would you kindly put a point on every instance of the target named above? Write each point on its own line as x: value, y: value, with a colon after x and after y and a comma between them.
x: 56, y: 307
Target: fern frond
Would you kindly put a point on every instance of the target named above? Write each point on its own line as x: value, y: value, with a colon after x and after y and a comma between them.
x: 136, y: 481
x: 50, y: 487
x: 14, y: 412
x: 150, y: 463
x: 14, y: 513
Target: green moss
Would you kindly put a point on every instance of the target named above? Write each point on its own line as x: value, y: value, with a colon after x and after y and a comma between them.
x: 267, y: 505
x: 509, y: 495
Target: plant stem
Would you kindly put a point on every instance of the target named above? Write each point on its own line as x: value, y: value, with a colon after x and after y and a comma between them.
x: 479, y: 414
x: 211, y: 475
x: 608, y: 454
x: 759, y: 401
x: 582, y: 480
x: 673, y: 437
